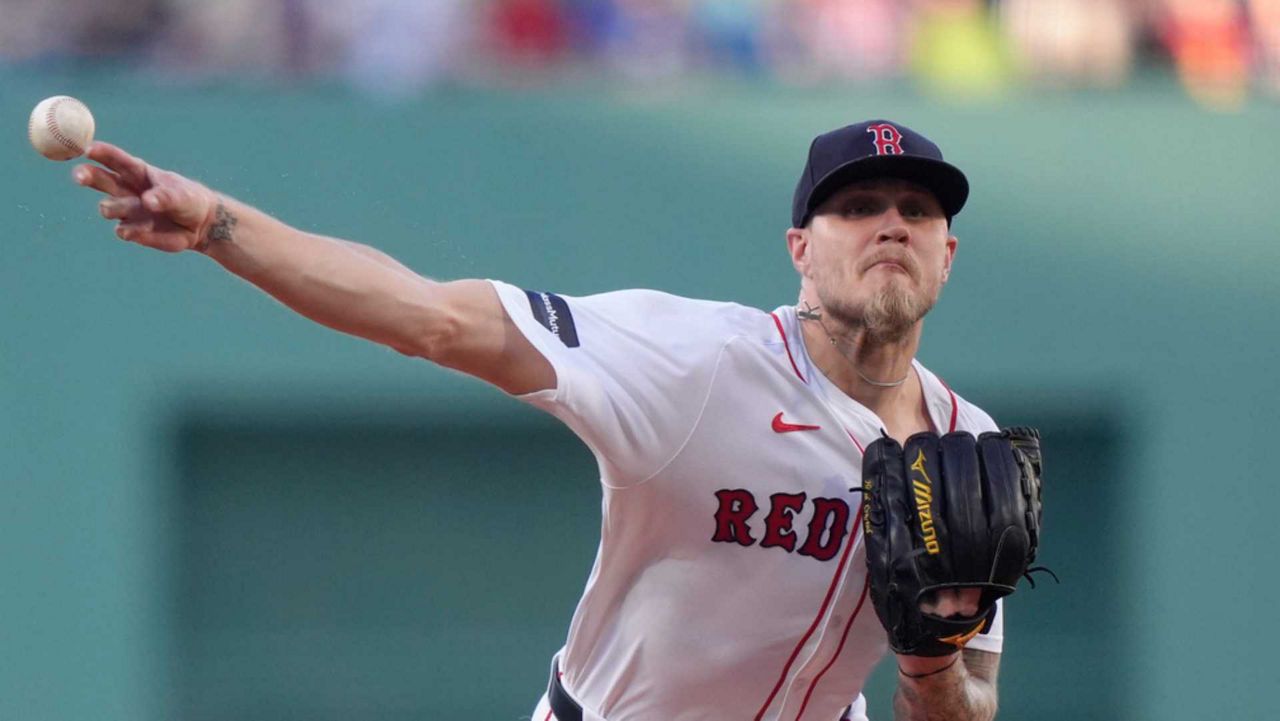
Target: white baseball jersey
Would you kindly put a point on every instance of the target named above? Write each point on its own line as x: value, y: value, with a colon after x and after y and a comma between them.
x: 730, y: 582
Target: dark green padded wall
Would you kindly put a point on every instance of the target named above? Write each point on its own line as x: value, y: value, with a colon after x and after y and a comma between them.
x: 1116, y: 273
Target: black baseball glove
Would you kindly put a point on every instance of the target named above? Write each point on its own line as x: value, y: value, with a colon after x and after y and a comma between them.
x: 948, y: 513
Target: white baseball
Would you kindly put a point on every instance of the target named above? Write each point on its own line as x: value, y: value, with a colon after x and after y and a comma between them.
x: 60, y: 128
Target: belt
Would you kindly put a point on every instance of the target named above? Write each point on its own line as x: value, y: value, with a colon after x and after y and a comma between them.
x: 566, y: 709
x: 562, y: 704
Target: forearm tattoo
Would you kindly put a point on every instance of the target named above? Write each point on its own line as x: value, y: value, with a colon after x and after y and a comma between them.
x: 224, y: 224
x: 964, y: 692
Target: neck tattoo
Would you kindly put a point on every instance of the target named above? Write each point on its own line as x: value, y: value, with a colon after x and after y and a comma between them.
x: 814, y: 314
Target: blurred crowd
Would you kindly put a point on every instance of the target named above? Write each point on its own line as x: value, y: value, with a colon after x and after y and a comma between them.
x: 1222, y: 50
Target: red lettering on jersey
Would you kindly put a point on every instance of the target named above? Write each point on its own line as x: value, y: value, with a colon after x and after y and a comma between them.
x: 888, y: 139
x: 830, y: 519
x: 777, y: 525
x: 736, y: 506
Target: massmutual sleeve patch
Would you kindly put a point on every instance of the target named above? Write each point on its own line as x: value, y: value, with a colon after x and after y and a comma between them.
x: 553, y: 313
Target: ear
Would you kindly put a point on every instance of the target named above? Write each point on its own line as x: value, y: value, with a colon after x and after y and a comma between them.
x: 952, y: 243
x: 798, y: 248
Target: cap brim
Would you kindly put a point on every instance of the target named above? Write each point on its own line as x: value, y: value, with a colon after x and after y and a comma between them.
x: 943, y: 179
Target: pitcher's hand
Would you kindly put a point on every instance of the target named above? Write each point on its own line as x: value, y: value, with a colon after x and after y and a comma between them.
x: 952, y: 602
x: 156, y: 208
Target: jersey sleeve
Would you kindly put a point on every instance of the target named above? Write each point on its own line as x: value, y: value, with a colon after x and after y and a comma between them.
x: 633, y: 369
x: 993, y: 640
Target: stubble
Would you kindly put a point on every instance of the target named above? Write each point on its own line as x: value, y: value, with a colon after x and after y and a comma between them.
x: 888, y: 315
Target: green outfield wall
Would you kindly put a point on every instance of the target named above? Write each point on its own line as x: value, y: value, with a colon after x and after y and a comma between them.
x: 217, y: 510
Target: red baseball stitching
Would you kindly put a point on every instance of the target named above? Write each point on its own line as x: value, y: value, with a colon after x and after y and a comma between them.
x: 51, y: 124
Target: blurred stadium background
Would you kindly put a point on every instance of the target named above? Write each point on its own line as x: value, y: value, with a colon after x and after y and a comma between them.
x: 216, y: 510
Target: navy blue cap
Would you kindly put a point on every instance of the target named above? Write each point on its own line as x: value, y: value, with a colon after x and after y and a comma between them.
x: 875, y: 149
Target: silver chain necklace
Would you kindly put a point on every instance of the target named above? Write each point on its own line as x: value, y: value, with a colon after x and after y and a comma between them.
x: 809, y: 313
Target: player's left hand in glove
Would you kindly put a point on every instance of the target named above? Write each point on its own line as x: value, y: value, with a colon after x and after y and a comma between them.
x: 948, y: 514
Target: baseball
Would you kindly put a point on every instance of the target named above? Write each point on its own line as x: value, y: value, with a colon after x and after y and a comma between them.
x: 60, y: 128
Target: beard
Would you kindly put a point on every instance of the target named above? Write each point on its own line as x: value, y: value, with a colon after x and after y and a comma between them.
x: 888, y: 315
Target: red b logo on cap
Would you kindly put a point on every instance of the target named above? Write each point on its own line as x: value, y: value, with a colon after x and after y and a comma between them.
x: 887, y: 139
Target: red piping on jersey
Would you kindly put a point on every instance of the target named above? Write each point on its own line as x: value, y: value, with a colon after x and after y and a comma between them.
x: 848, y: 625
x: 548, y: 718
x: 955, y: 407
x: 822, y: 611
x: 786, y: 344
x: 924, y: 404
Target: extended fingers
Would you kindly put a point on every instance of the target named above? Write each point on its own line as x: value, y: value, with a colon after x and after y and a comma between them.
x: 131, y: 170
x: 155, y: 235
x: 100, y: 179
x: 132, y: 232
x: 181, y: 201
x: 160, y: 200
x: 124, y: 208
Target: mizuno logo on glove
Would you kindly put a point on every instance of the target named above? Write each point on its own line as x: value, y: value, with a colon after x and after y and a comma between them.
x: 944, y: 513
x: 923, y: 490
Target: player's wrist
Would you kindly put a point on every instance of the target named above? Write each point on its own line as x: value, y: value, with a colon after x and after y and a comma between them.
x: 217, y: 228
x: 922, y: 666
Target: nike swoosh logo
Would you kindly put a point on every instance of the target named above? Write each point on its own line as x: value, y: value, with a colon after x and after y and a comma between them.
x: 781, y: 426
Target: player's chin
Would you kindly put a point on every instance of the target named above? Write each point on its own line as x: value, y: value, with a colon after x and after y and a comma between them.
x: 889, y: 272
x: 877, y: 282
x: 890, y: 267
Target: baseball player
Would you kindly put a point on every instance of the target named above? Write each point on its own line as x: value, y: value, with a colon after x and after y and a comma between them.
x: 731, y: 580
